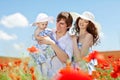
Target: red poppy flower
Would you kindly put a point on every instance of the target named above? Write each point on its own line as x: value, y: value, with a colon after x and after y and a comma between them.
x: 114, y: 75
x: 95, y: 55
x: 17, y: 62
x: 70, y: 73
x: 32, y: 49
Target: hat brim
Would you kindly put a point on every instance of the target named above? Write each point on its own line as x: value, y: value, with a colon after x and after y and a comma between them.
x: 75, y: 15
x: 97, y: 25
x: 49, y: 19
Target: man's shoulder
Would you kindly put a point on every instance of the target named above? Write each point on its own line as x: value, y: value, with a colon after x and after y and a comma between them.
x: 68, y: 37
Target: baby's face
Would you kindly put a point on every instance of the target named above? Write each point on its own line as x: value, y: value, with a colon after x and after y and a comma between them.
x: 42, y: 25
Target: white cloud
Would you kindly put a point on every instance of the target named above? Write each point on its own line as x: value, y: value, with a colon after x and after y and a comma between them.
x: 19, y: 46
x: 5, y: 36
x: 19, y: 50
x: 14, y: 20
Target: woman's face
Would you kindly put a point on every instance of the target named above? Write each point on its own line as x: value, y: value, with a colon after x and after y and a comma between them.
x: 82, y: 23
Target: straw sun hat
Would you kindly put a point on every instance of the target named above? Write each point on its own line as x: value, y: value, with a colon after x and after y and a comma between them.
x: 87, y: 16
x: 42, y: 17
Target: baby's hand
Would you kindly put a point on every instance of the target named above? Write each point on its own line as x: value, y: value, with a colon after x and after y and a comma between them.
x: 39, y: 42
x: 37, y: 37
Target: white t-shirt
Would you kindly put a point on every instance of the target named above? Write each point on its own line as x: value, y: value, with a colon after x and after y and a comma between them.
x: 65, y: 43
x: 52, y: 65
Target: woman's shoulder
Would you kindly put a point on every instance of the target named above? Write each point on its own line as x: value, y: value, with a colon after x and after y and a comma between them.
x: 89, y: 39
x: 89, y: 36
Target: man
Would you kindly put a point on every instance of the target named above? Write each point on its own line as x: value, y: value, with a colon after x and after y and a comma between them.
x: 62, y: 43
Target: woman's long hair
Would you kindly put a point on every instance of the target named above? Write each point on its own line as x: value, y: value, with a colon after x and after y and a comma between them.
x: 91, y: 28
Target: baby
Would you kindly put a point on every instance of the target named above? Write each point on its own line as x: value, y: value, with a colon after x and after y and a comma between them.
x: 41, y: 23
x: 46, y: 51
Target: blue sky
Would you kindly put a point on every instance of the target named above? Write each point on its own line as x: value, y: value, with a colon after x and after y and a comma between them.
x: 17, y: 15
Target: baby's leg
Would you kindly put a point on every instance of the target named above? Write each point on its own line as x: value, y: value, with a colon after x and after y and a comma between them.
x: 44, y: 69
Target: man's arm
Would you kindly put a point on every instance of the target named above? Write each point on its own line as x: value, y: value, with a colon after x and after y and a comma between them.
x: 63, y: 57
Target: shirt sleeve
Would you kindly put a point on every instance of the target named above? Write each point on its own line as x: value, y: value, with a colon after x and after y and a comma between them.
x: 69, y: 48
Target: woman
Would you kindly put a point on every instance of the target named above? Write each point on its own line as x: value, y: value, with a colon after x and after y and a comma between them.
x: 86, y: 35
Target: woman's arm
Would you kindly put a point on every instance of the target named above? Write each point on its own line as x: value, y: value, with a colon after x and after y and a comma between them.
x: 76, y: 50
x: 83, y: 51
x: 87, y: 43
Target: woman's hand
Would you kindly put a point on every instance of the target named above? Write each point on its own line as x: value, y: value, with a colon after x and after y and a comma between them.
x: 74, y: 38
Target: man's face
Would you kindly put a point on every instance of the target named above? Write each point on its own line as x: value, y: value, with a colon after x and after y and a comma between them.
x: 61, y: 26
